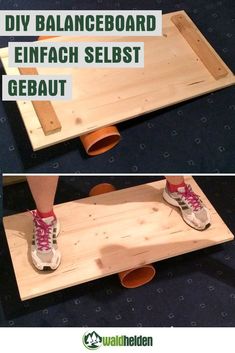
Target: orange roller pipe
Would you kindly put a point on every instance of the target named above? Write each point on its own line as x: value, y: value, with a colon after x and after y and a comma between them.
x: 137, y: 277
x: 102, y: 188
x: 101, y: 140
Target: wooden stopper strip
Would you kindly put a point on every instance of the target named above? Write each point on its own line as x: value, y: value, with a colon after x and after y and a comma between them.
x: 44, y: 109
x: 199, y: 46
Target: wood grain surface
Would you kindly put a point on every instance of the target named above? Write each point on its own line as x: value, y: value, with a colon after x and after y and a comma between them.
x: 174, y: 72
x: 107, y: 234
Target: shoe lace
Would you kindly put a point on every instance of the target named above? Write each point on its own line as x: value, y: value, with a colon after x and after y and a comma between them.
x: 192, y: 198
x: 42, y: 232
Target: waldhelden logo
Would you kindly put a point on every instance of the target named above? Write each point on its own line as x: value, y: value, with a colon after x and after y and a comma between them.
x: 91, y: 340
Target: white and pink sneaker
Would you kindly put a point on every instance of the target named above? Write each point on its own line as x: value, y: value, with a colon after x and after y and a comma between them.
x: 193, y: 211
x: 44, y: 249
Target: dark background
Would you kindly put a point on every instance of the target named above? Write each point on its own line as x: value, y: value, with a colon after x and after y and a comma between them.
x: 196, y: 289
x: 193, y: 137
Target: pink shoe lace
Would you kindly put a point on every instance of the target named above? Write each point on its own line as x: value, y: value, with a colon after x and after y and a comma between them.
x: 42, y: 232
x: 191, y: 197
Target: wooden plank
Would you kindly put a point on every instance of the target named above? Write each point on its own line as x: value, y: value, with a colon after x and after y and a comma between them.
x: 107, y: 234
x: 4, y: 52
x: 44, y: 109
x: 28, y: 71
x: 29, y: 116
x: 198, y: 44
x: 9, y: 180
x: 173, y: 73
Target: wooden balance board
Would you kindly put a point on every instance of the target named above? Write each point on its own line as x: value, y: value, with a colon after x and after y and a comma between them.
x: 107, y: 234
x: 179, y: 65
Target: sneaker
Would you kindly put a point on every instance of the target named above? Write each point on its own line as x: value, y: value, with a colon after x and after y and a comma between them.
x: 192, y: 209
x: 44, y: 249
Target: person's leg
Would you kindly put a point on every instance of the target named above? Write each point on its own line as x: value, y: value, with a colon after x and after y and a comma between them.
x: 174, y: 182
x: 43, y: 189
x: 178, y: 193
x: 44, y: 250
